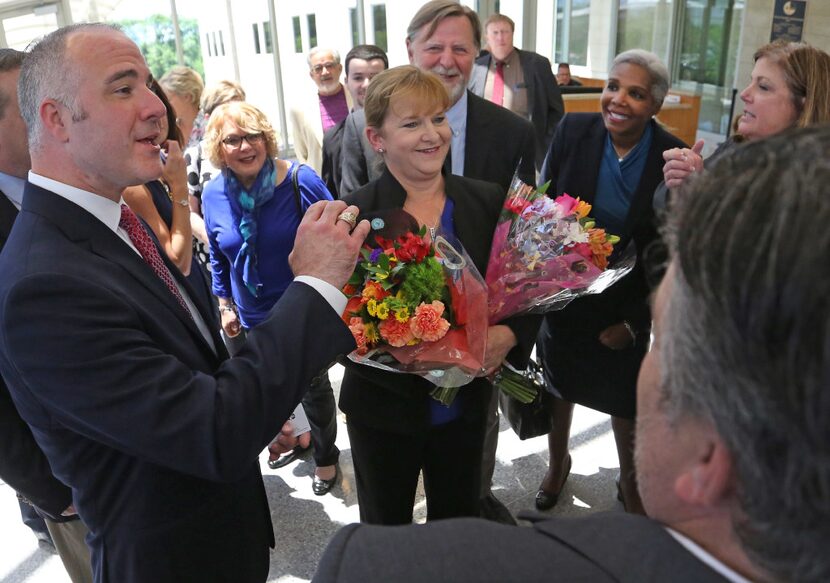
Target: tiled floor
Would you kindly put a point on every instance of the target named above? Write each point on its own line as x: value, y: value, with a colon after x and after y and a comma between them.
x: 304, y: 522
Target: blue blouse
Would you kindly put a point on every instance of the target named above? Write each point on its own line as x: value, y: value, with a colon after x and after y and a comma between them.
x: 278, y: 221
x: 618, y: 180
x: 438, y: 413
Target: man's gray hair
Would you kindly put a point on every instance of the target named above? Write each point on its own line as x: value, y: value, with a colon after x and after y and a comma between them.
x: 432, y: 13
x: 334, y: 54
x: 47, y: 74
x: 746, y: 338
x: 657, y: 71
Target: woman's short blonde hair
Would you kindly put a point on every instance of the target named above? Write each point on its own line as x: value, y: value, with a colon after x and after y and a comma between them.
x: 248, y: 118
x: 422, y: 87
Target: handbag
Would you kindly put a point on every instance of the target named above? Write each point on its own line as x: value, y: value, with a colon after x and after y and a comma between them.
x: 529, y: 419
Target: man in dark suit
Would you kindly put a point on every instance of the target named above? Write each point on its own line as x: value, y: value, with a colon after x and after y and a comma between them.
x: 733, y: 409
x: 105, y: 349
x: 44, y: 499
x: 521, y: 81
x: 488, y: 142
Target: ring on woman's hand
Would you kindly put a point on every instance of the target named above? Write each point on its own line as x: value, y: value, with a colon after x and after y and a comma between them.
x: 348, y: 217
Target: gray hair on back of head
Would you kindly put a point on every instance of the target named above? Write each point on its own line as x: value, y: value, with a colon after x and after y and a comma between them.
x: 657, y: 71
x: 47, y: 74
x: 745, y: 342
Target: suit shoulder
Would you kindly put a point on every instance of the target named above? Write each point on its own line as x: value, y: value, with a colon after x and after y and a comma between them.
x: 361, y: 196
x: 508, y: 120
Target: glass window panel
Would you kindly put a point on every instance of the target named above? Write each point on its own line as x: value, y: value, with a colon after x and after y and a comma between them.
x: 379, y: 22
x: 355, y: 31
x: 256, y: 38
x: 266, y: 33
x: 312, y: 30
x: 221, y: 44
x: 645, y: 24
x: 560, y: 31
x: 578, y: 37
x: 20, y: 30
x: 298, y: 35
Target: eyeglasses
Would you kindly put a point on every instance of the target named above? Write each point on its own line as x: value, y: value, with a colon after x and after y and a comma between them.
x: 234, y: 142
x: 319, y: 68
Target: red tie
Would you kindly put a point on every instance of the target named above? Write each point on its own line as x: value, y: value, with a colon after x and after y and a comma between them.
x: 138, y: 235
x: 498, y: 85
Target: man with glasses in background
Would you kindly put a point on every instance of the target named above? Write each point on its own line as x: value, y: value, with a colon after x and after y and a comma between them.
x: 311, y: 118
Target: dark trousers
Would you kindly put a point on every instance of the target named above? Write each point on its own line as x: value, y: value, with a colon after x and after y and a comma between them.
x: 321, y: 411
x: 387, y: 465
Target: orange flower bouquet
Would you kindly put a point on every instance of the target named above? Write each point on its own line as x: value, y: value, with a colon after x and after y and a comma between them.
x: 419, y: 308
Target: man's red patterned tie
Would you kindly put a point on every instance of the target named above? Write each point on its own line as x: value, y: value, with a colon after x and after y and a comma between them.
x: 142, y: 241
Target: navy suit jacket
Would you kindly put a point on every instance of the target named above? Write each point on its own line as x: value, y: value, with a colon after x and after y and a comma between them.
x: 606, y: 547
x: 497, y: 143
x: 544, y: 100
x: 156, y: 434
x: 23, y: 465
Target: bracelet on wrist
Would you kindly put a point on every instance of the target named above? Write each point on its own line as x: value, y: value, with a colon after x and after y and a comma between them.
x: 183, y: 203
x: 228, y: 308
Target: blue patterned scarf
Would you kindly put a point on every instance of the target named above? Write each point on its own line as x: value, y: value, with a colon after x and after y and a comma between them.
x: 250, y: 201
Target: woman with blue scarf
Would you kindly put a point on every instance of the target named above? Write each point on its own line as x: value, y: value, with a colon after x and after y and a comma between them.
x: 592, y: 349
x: 252, y: 210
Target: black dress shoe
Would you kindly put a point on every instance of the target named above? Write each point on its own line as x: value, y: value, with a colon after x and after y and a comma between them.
x: 546, y: 500
x: 286, y: 459
x: 321, y: 487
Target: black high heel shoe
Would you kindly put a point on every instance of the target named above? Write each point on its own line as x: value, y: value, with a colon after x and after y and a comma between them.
x: 546, y: 500
x: 321, y: 487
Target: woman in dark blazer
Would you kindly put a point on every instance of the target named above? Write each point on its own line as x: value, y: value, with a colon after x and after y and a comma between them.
x: 395, y: 428
x: 592, y: 349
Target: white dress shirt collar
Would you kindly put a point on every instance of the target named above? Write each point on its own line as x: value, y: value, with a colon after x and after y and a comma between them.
x: 706, y: 557
x: 103, y: 209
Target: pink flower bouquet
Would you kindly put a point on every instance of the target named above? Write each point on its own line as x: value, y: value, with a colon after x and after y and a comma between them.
x: 418, y: 308
x: 547, y: 252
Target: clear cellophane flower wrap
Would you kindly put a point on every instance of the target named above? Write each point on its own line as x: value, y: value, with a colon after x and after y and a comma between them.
x: 547, y: 252
x: 417, y: 307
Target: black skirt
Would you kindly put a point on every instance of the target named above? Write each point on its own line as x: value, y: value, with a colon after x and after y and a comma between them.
x: 579, y: 368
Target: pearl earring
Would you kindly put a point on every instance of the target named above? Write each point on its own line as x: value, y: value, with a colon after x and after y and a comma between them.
x: 381, y: 150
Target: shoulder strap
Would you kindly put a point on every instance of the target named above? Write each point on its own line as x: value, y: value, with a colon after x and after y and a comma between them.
x: 295, y: 181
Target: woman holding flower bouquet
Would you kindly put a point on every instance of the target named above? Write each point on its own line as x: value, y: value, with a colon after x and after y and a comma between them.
x: 395, y: 428
x: 252, y: 210
x: 592, y: 349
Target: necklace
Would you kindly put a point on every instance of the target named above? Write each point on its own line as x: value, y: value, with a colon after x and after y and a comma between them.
x: 435, y: 217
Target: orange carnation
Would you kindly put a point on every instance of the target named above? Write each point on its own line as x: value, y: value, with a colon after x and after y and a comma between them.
x: 358, y: 331
x: 427, y: 323
x: 396, y: 333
